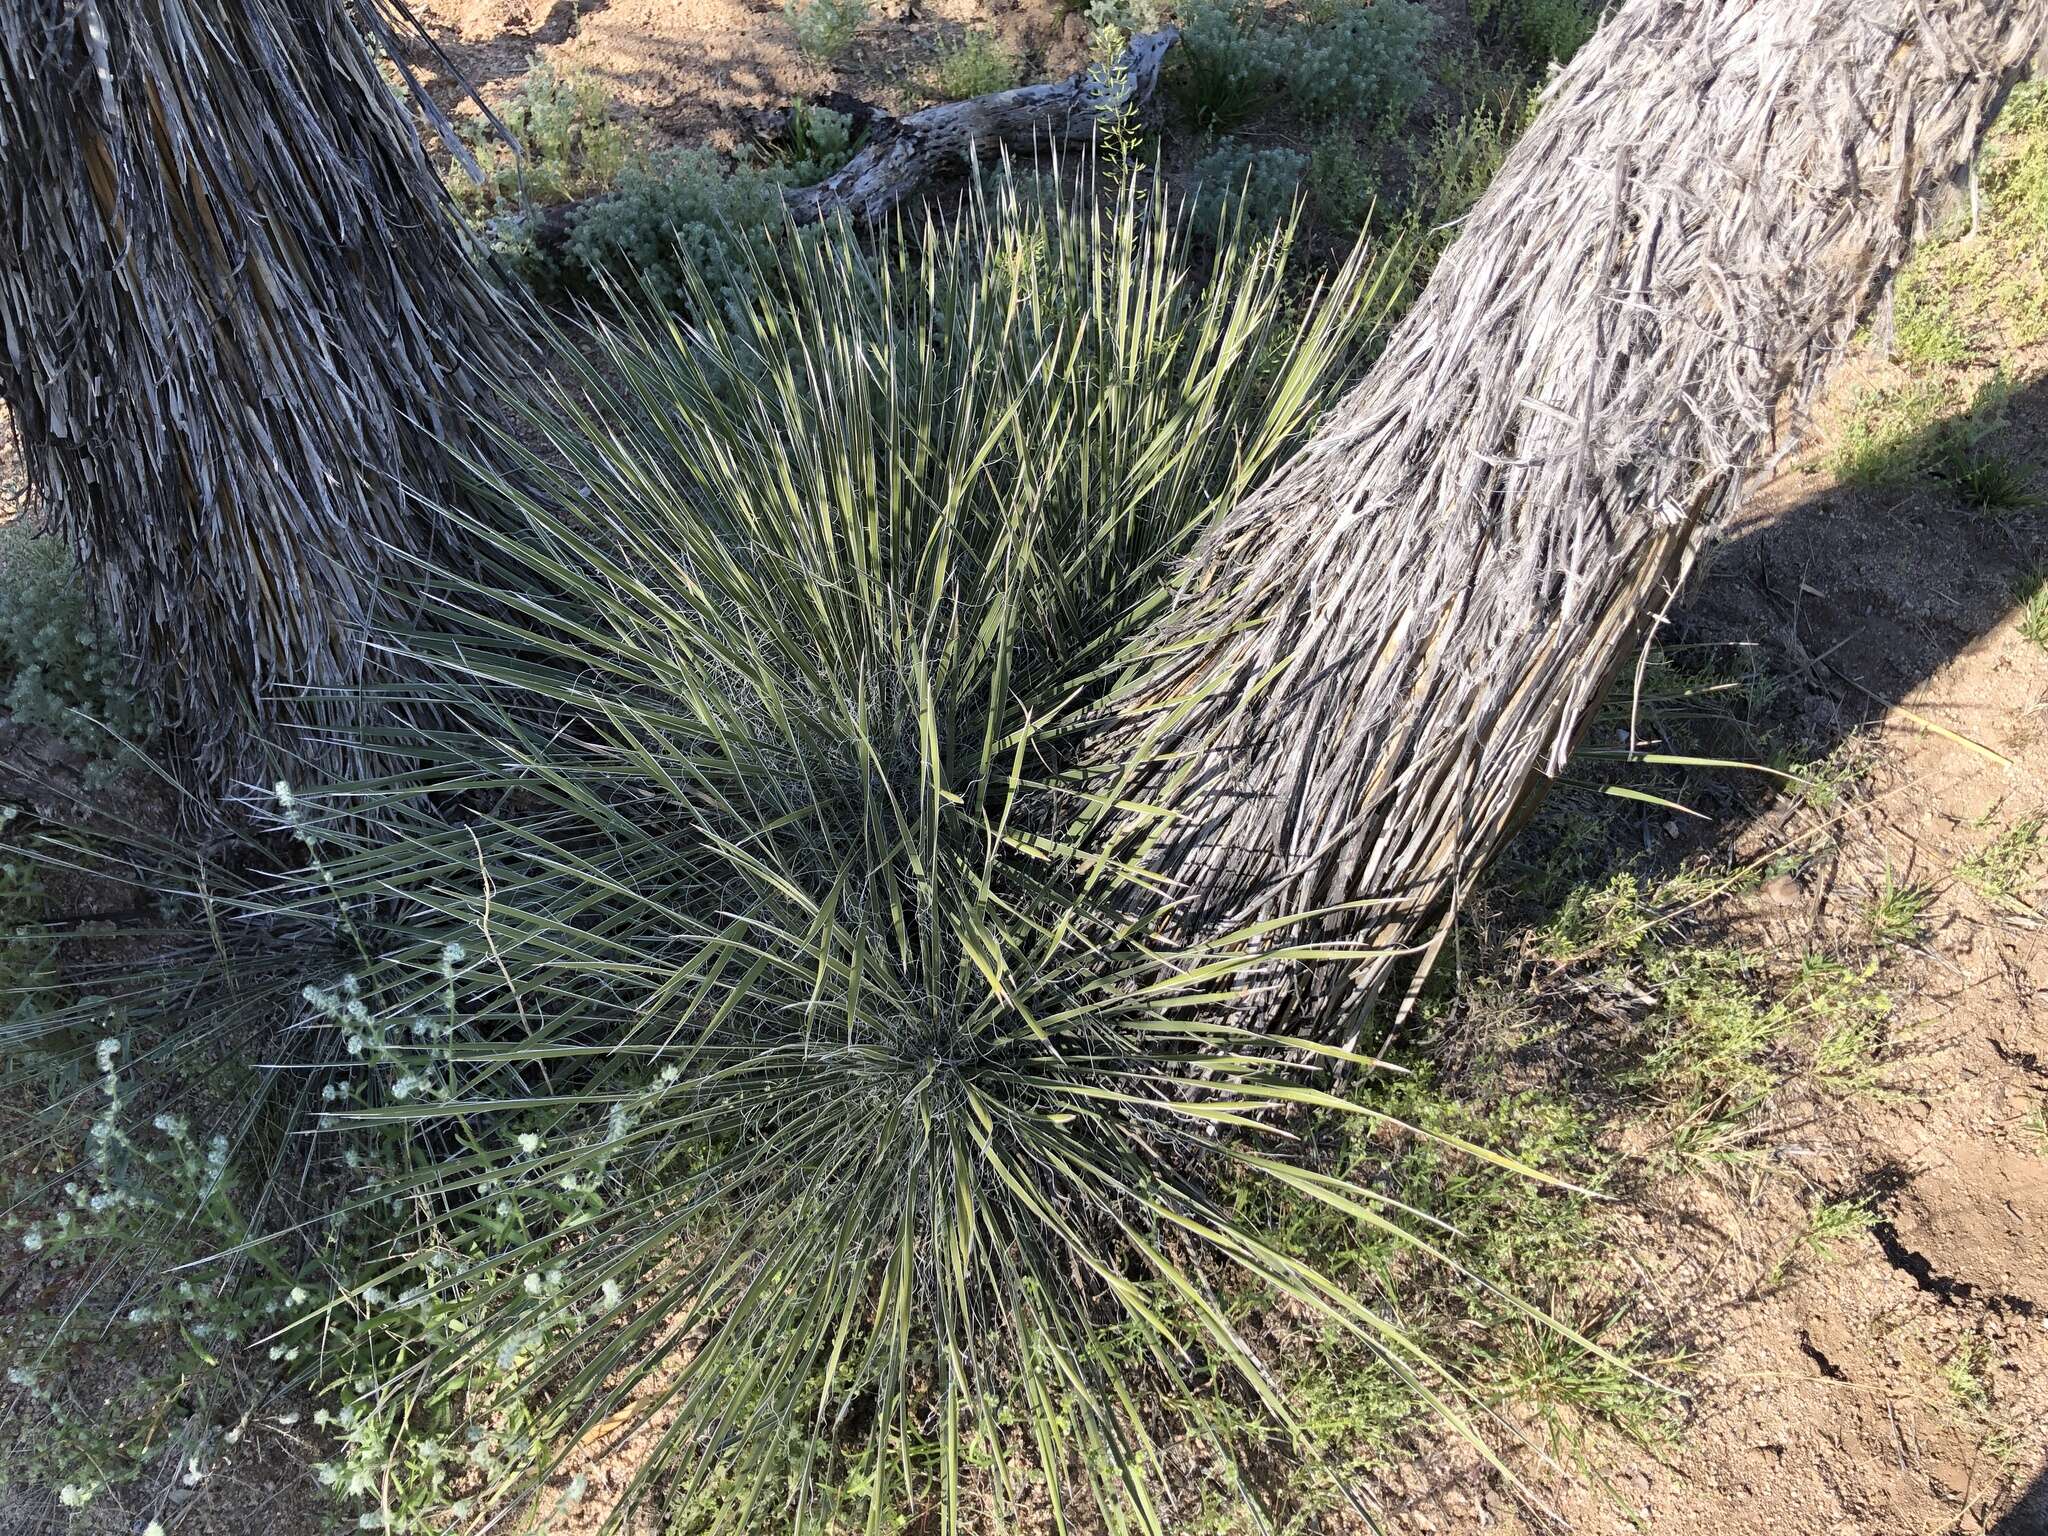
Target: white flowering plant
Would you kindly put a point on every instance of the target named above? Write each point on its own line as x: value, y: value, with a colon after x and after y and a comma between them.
x: 138, y: 1175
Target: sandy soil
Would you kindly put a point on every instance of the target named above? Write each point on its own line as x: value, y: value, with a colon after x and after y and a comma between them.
x: 13, y: 485
x: 691, y: 67
x: 1838, y: 1401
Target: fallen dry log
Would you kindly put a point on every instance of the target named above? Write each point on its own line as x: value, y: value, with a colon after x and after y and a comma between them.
x: 1398, y: 638
x: 900, y: 155
x: 903, y: 154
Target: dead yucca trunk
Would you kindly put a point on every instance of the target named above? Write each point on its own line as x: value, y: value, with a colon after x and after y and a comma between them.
x: 234, y: 314
x: 1399, y: 637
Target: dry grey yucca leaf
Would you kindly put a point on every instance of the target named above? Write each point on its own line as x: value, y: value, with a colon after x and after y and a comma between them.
x: 236, y: 318
x: 1391, y: 644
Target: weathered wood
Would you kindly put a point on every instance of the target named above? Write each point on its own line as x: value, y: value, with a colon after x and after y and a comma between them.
x: 1401, y: 635
x: 238, y: 317
x: 903, y: 154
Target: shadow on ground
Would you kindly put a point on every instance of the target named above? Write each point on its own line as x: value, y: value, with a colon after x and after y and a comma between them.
x: 2028, y: 1517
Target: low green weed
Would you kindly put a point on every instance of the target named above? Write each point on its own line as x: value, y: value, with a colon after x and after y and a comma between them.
x: 1543, y: 32
x: 824, y: 29
x: 1897, y: 910
x: 2004, y: 869
x: 1962, y: 452
x: 2033, y: 609
x: 1966, y: 1374
x: 976, y: 65
x: 1831, y: 1222
x: 1611, y: 920
x: 1889, y: 437
x: 1714, y: 1031
x: 1992, y: 482
x: 819, y: 142
x: 1829, y: 783
x: 641, y: 220
x: 1513, y: 1237
x: 1356, y: 60
x: 684, y: 225
x: 1225, y: 69
x: 2015, y: 171
x: 1926, y: 330
x: 1835, y: 1221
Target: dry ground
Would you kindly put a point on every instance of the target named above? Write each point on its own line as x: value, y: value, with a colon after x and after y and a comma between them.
x: 690, y: 67
x: 1899, y: 1383
x: 12, y: 488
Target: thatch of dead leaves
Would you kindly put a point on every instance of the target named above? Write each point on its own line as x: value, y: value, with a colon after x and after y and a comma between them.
x: 235, y: 317
x: 1392, y: 643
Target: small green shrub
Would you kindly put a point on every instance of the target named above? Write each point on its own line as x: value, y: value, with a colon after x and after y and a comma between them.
x: 58, y: 669
x: 1357, y: 61
x: 569, y: 146
x: 824, y: 28
x: 1256, y: 190
x: 977, y: 65
x: 1462, y: 157
x: 1542, y: 31
x: 1345, y: 59
x: 1227, y: 66
x: 1342, y: 185
x: 685, y: 225
x: 819, y: 142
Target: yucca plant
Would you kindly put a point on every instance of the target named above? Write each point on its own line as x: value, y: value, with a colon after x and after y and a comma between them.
x: 758, y: 1050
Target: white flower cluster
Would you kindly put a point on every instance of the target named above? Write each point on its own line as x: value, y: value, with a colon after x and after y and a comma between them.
x: 411, y: 1057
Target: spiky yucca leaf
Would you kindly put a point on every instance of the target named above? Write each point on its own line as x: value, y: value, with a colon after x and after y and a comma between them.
x: 846, y: 1119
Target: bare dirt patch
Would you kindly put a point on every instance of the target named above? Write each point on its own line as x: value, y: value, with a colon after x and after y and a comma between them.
x: 690, y: 68
x: 13, y: 482
x: 1895, y: 1379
